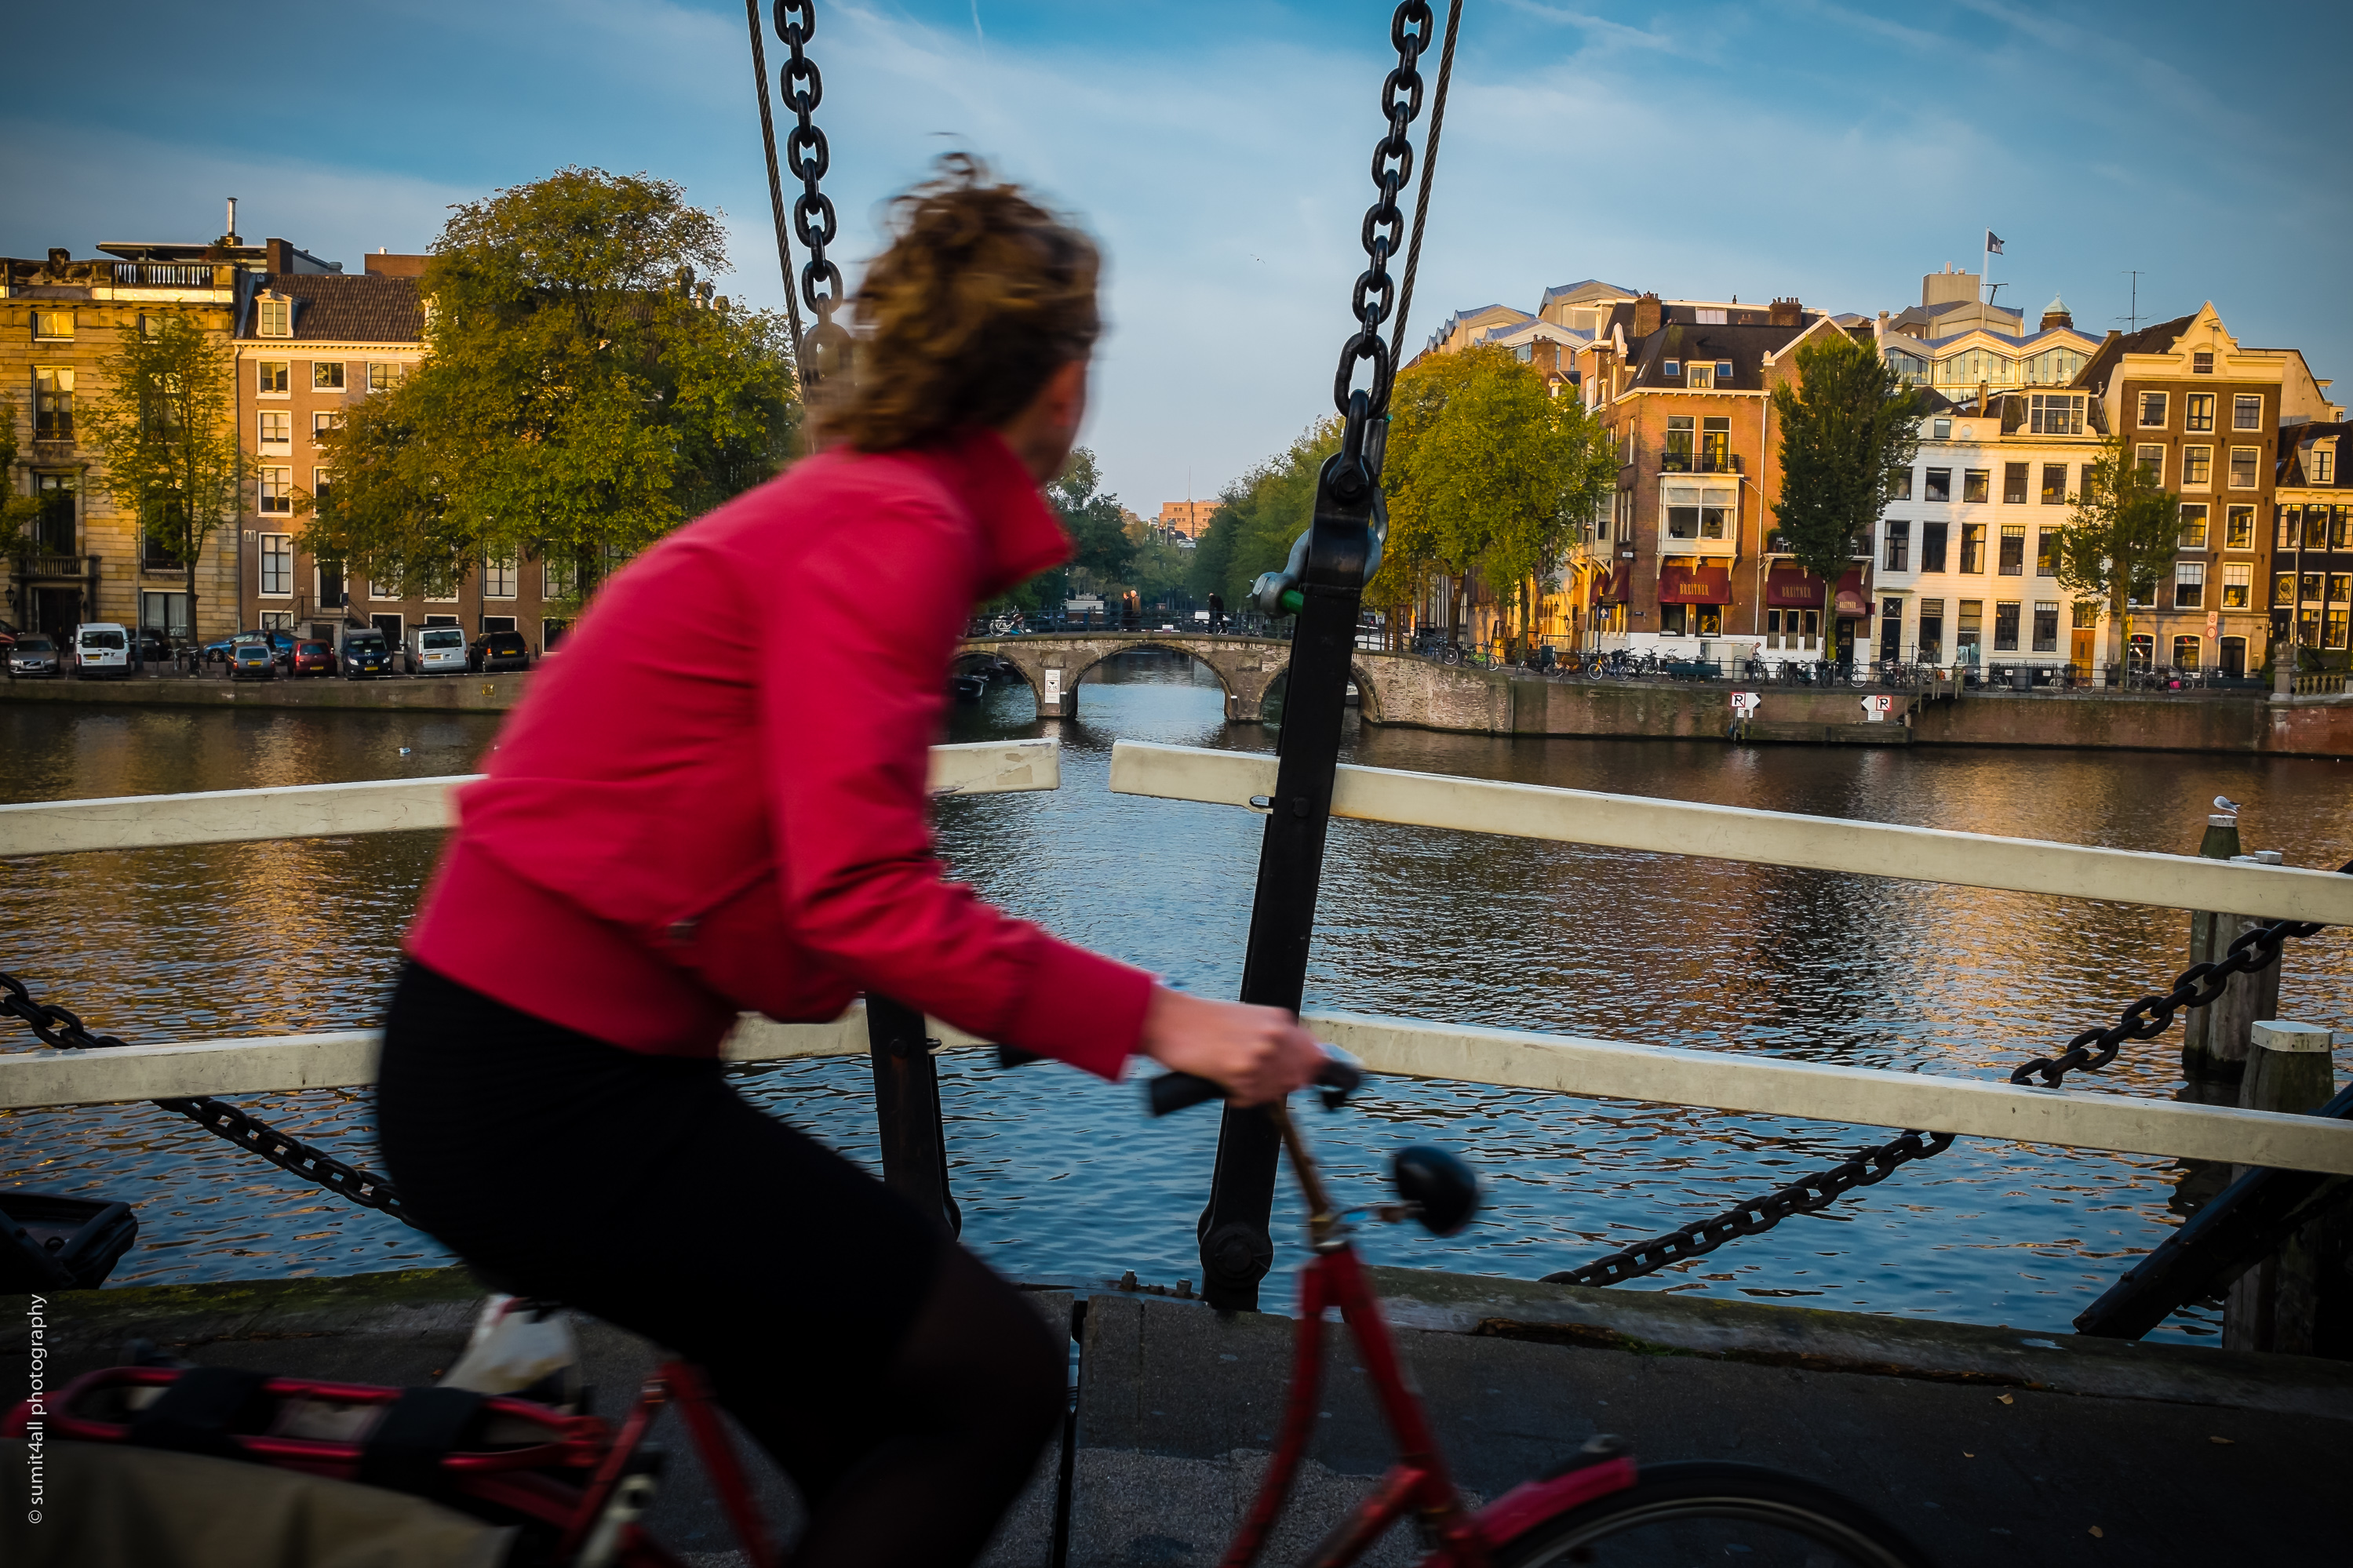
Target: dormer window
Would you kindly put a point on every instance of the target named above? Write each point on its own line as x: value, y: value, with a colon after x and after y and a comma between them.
x: 273, y: 317
x: 1700, y: 377
x: 1671, y: 367
x: 2203, y: 363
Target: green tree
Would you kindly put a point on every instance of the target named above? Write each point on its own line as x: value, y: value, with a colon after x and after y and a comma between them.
x: 2122, y: 532
x: 166, y: 424
x: 1487, y: 471
x: 16, y: 512
x: 1102, y: 552
x: 585, y: 392
x: 1849, y: 429
x: 1259, y: 514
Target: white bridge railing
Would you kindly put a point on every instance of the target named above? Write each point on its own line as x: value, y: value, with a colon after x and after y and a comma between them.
x: 2094, y: 1119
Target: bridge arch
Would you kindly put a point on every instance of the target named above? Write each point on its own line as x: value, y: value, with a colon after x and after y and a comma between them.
x: 1245, y: 667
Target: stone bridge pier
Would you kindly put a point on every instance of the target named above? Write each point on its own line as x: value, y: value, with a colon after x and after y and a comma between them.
x: 1055, y: 664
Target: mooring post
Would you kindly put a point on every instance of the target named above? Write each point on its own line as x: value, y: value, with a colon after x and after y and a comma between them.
x: 907, y: 1108
x: 2199, y: 1085
x: 2285, y: 1302
x: 2222, y: 1063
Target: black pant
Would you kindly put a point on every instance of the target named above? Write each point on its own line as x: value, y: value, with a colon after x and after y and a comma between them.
x: 645, y: 1191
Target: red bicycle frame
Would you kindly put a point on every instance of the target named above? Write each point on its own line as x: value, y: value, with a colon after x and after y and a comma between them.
x: 1418, y: 1483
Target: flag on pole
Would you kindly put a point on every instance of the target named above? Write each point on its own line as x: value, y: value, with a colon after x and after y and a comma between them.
x: 1993, y: 243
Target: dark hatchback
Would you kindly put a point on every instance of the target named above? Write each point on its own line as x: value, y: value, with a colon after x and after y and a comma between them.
x: 498, y: 650
x: 365, y: 655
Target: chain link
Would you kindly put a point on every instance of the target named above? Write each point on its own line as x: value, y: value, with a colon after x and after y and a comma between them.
x: 1808, y: 1194
x: 1411, y: 29
x: 806, y: 156
x: 2199, y: 986
x: 56, y: 1027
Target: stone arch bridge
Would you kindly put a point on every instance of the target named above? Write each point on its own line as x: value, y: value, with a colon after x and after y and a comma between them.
x: 1055, y: 663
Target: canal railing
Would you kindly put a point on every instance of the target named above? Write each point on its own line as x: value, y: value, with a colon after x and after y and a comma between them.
x: 1635, y: 1069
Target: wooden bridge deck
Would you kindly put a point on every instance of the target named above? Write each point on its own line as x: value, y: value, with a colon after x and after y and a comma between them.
x: 1987, y: 1445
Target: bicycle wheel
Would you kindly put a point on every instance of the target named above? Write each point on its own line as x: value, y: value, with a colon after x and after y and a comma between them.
x: 1704, y: 1512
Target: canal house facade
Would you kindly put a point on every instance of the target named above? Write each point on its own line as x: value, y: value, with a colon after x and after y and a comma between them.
x: 2311, y: 586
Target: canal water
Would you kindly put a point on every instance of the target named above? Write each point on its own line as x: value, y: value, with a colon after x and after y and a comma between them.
x: 1059, y: 1174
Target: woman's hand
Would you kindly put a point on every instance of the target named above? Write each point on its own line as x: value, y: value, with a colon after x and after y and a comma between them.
x: 1256, y: 1054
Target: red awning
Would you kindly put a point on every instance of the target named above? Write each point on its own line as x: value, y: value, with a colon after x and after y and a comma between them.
x: 1852, y: 600
x: 1788, y: 587
x: 1682, y: 584
x: 1611, y: 585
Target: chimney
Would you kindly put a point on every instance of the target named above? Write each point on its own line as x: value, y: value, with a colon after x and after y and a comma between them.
x: 229, y: 235
x: 1786, y: 313
x: 278, y: 255
x: 1647, y: 314
x: 59, y: 257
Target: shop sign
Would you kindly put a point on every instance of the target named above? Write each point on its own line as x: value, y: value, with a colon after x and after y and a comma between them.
x: 1695, y: 585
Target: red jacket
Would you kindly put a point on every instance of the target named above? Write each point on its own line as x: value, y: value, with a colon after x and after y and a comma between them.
x: 713, y: 799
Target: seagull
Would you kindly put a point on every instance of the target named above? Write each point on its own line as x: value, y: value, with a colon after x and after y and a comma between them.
x: 2224, y: 803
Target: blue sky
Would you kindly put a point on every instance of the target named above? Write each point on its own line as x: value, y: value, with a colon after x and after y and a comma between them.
x: 1220, y: 150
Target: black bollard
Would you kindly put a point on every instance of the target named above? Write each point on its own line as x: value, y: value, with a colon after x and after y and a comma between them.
x: 907, y: 1108
x: 1236, y: 1249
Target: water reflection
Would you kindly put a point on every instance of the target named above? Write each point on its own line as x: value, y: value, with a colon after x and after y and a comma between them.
x: 1059, y: 1174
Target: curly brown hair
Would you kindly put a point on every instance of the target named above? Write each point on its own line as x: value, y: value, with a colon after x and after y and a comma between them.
x: 981, y: 296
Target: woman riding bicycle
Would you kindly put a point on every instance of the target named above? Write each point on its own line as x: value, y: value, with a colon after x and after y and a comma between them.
x: 674, y: 831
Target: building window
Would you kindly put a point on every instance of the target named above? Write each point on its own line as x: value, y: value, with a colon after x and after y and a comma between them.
x: 2284, y: 589
x: 270, y: 377
x: 1976, y: 485
x: 2193, y: 528
x: 327, y: 375
x: 2340, y: 586
x: 386, y: 374
x: 1671, y: 367
x: 277, y: 430
x: 1932, y: 546
x: 1723, y: 370
x: 277, y: 492
x: 1700, y: 377
x: 2247, y: 411
x: 53, y: 390
x: 2337, y: 627
x: 2336, y: 529
x: 1970, y: 631
x: 2046, y: 552
x: 2152, y: 410
x: 1899, y: 547
x: 1677, y: 458
x: 2189, y: 584
x: 2005, y: 626
x: 2238, y: 580
x: 499, y: 577
x: 1931, y: 630
x: 2046, y: 626
x: 2014, y: 484
x: 1973, y: 547
x: 2152, y: 463
x: 156, y: 554
x: 2014, y: 550
x: 2055, y: 484
x: 1940, y: 485
x: 2185, y: 652
x: 324, y: 420
x: 1943, y: 428
x: 53, y: 326
x: 323, y: 481
x: 2244, y: 473
x: 276, y: 563
x: 2311, y: 586
x: 2203, y: 363
x: 2197, y: 467
x: 164, y: 612
x: 1899, y: 486
x: 2197, y: 411
x: 2142, y: 594
x: 1716, y: 444
x: 54, y: 529
x: 2287, y: 532
x: 273, y: 318
x: 2056, y: 414
x: 2239, y: 529
x: 2324, y: 465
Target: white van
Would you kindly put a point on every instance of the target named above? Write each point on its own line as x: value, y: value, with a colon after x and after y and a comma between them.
x: 102, y: 647
x: 437, y: 650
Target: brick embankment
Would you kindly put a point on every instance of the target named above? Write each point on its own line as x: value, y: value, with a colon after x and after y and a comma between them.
x: 437, y: 693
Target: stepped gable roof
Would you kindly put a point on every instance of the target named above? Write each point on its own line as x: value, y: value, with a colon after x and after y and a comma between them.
x: 336, y: 307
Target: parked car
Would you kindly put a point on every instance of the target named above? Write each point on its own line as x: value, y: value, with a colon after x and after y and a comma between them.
x: 437, y: 650
x: 102, y: 647
x: 314, y: 657
x: 150, y: 646
x: 252, y: 659
x: 498, y: 650
x: 7, y: 637
x: 34, y: 656
x: 365, y: 655
x: 281, y: 645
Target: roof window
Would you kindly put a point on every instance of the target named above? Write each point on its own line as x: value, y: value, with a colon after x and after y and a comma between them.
x: 1671, y: 367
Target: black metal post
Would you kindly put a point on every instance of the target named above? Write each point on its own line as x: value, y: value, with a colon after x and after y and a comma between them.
x: 1236, y: 1250
x: 907, y: 1108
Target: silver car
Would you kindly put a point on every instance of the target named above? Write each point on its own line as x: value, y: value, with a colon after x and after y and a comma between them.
x: 35, y: 658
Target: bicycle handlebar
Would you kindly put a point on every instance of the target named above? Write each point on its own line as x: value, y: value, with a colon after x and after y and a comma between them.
x: 1174, y: 1091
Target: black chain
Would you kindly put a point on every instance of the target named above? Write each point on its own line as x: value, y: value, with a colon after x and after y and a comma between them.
x: 1411, y: 29
x: 1429, y: 169
x: 2199, y: 986
x: 775, y: 182
x: 65, y: 1030
x: 1808, y: 1194
x: 807, y: 157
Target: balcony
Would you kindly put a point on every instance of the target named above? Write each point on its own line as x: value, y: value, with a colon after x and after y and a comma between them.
x: 162, y: 275
x: 1706, y: 460
x: 42, y: 565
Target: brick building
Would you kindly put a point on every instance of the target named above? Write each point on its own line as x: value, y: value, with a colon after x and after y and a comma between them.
x: 2311, y: 588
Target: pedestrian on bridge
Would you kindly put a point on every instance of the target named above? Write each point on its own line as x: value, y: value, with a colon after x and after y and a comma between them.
x: 1217, y: 613
x: 669, y: 836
